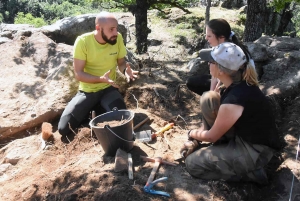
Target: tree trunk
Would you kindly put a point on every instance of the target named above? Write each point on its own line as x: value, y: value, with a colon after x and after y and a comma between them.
x: 255, y: 20
x: 207, y: 13
x: 272, y: 21
x: 141, y: 28
x: 285, y: 19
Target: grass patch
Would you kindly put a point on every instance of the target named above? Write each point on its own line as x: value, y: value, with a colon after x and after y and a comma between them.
x: 238, y: 30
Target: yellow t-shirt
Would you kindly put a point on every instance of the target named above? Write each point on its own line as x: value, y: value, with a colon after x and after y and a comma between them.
x: 99, y: 59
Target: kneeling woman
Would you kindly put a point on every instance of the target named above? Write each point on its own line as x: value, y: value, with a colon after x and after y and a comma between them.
x: 238, y: 122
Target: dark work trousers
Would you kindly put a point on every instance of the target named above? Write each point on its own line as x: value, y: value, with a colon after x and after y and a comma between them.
x: 199, y: 83
x: 79, y: 108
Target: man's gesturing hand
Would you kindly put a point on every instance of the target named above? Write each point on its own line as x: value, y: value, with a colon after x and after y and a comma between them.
x: 106, y: 79
x: 129, y: 73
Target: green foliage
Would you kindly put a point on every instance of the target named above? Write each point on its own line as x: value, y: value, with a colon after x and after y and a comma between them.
x: 154, y: 4
x: 280, y: 4
x: 50, y: 10
x: 183, y: 26
x: 1, y: 18
x: 29, y: 19
x: 56, y: 11
x: 189, y: 21
x: 162, y: 15
x: 241, y: 19
x: 238, y: 30
x: 296, y: 19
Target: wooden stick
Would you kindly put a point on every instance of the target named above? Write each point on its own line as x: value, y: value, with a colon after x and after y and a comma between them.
x: 141, y: 123
x: 153, y: 172
x: 130, y: 172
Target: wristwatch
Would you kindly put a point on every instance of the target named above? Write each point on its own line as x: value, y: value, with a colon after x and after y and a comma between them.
x: 124, y: 70
x: 189, y: 136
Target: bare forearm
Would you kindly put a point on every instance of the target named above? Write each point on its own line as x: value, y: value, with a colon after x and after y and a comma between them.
x: 122, y: 66
x: 201, y: 135
x: 88, y: 78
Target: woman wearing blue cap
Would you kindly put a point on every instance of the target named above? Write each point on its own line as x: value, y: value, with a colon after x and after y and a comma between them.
x: 238, y: 122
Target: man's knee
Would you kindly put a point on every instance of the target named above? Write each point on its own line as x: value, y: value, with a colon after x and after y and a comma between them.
x: 66, y: 123
x: 118, y: 103
x: 113, y: 99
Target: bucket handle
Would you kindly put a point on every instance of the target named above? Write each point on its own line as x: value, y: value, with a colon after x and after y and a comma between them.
x: 108, y: 128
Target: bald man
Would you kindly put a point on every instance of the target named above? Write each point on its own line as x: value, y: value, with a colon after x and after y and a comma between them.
x: 96, y: 57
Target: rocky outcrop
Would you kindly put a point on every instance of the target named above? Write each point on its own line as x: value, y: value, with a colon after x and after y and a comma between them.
x: 67, y: 29
x: 37, y: 80
x: 63, y: 31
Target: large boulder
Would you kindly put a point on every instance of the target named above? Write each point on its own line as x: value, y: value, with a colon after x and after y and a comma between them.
x: 258, y: 51
x: 67, y: 29
x: 4, y: 40
x: 281, y: 70
x: 62, y: 31
x: 36, y: 82
x: 197, y: 67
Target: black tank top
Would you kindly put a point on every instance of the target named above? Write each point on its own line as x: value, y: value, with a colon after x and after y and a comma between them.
x: 257, y: 123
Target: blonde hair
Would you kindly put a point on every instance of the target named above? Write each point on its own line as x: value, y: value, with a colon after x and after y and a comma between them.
x: 249, y: 74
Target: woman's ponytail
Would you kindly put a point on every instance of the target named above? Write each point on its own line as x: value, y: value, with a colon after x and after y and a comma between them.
x: 250, y: 75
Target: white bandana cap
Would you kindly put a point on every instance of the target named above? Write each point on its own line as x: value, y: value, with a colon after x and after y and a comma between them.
x: 228, y: 55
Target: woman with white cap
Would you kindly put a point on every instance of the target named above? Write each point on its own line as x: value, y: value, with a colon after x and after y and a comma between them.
x: 238, y: 122
x: 218, y: 31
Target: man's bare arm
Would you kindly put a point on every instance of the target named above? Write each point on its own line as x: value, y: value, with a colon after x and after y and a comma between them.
x: 82, y: 76
x: 122, y: 64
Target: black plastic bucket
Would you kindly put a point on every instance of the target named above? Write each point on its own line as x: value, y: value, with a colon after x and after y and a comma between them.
x: 112, y: 138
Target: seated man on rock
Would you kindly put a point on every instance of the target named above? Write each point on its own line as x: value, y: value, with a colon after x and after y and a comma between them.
x: 96, y: 57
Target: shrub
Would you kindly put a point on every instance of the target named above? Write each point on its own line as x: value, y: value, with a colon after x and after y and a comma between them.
x: 22, y: 18
x: 296, y: 19
x: 241, y: 19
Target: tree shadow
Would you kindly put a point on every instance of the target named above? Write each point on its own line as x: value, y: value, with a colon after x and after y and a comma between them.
x: 52, y: 59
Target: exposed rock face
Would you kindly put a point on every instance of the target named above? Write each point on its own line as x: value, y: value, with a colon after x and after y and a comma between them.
x: 67, y: 29
x: 37, y: 80
x: 62, y: 31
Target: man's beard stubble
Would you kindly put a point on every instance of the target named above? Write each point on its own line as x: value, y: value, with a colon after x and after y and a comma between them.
x: 109, y: 41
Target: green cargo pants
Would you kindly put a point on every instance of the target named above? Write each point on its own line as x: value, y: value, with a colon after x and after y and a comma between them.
x: 234, y: 160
